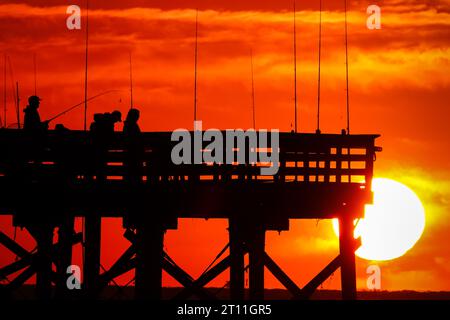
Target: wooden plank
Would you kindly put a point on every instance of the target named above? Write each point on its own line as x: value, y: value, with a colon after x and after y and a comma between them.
x: 347, y: 254
x: 281, y: 276
x: 213, y: 273
x: 190, y: 287
x: 310, y: 171
x: 291, y: 156
x: 13, y: 246
x: 323, y: 275
x: 21, y: 278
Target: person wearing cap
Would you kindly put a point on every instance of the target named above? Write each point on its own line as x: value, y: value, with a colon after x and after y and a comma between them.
x: 32, y: 120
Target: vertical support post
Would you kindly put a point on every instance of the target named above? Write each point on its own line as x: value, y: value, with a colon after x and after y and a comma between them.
x: 237, y: 252
x: 256, y: 259
x: 64, y: 259
x: 149, y: 256
x: 370, y: 156
x: 91, y: 267
x: 338, y: 164
x: 347, y: 253
x: 44, y: 238
x: 307, y: 169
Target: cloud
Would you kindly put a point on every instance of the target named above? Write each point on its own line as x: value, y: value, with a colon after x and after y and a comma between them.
x: 225, y: 5
x: 408, y: 54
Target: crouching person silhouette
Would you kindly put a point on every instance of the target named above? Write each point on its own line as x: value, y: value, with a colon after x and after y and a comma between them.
x: 101, y: 140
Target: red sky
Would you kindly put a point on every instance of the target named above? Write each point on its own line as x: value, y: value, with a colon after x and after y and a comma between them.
x: 399, y: 87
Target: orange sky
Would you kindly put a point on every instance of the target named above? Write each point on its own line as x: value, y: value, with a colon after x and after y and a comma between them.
x: 399, y: 87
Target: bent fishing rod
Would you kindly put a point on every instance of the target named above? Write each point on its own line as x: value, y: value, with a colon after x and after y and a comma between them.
x: 80, y: 104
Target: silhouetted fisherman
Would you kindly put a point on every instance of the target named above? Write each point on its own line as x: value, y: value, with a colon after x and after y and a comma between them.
x: 131, y: 128
x: 36, y: 130
x: 112, y: 119
x: 134, y: 148
x: 32, y: 120
x: 103, y: 125
x: 102, y: 135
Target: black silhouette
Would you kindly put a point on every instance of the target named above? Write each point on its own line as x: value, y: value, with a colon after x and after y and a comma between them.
x: 102, y: 136
x: 110, y: 119
x: 131, y: 128
x: 324, y: 189
x: 103, y: 125
x: 32, y: 119
x: 96, y: 125
x: 133, y: 163
x: 312, y: 183
x: 134, y: 148
x: 37, y: 133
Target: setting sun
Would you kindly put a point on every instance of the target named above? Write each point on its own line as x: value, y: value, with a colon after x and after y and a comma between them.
x: 392, y: 225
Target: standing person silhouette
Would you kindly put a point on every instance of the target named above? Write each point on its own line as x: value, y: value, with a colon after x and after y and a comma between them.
x: 36, y: 133
x: 133, y: 163
x: 32, y: 119
x: 134, y: 149
x: 131, y: 128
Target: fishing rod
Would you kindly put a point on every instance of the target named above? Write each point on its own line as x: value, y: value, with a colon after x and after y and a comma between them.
x: 4, y: 95
x: 17, y: 105
x: 13, y: 83
x: 196, y: 65
x: 253, y: 91
x: 346, y: 70
x: 86, y: 67
x: 131, y: 84
x: 320, y: 56
x: 81, y: 103
x: 35, y: 74
x: 295, y: 70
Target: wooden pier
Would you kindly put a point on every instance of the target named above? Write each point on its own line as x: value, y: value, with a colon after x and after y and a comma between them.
x: 46, y: 181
